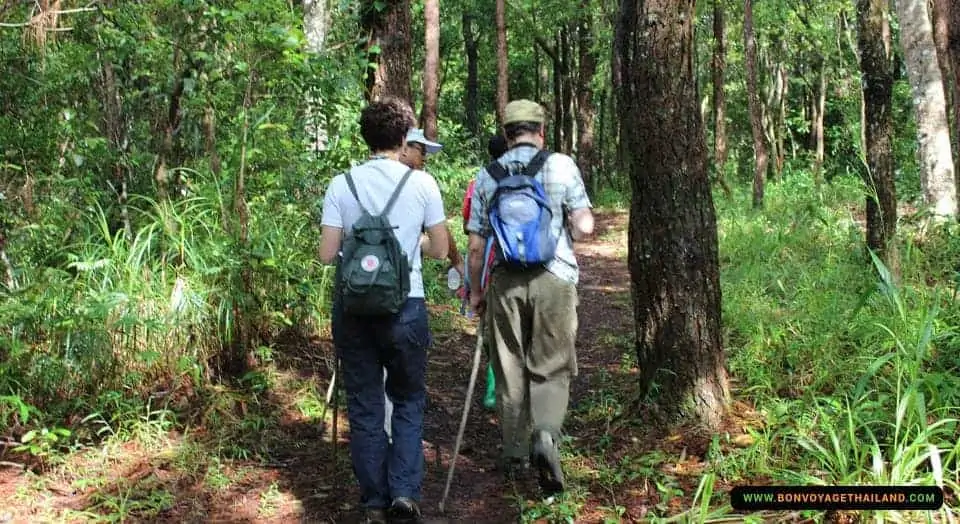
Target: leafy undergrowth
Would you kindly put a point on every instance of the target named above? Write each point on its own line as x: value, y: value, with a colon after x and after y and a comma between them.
x: 841, y: 374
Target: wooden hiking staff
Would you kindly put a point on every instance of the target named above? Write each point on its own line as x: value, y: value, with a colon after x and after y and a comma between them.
x: 463, y: 418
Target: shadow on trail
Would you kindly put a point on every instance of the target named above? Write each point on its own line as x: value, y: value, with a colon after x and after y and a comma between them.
x: 258, y: 454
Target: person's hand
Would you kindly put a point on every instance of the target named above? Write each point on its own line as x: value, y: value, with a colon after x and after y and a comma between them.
x: 478, y: 303
x: 459, y: 268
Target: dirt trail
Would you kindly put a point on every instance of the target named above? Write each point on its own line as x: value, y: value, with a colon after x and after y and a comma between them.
x: 295, y: 474
x: 478, y: 493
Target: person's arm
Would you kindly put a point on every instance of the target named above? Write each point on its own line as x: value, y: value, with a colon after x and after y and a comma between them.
x: 453, y: 253
x: 477, y: 228
x: 577, y: 204
x: 330, y: 239
x: 436, y: 243
x: 581, y: 221
x: 331, y: 234
x: 475, y: 254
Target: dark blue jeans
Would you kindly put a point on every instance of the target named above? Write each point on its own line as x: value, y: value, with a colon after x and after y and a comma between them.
x: 367, y: 345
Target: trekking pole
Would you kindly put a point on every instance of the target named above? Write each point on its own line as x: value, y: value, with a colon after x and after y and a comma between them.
x: 335, y: 410
x: 463, y: 418
x: 333, y: 382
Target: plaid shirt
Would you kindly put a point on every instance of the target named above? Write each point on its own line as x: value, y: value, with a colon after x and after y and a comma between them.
x: 564, y: 187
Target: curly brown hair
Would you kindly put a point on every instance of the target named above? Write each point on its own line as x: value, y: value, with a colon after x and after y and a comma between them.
x: 385, y: 122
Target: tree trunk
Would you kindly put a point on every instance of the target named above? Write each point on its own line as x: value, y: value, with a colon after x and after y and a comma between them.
x: 673, y: 254
x: 953, y: 43
x: 567, y: 86
x: 316, y: 23
x: 557, y: 97
x: 503, y: 95
x: 819, y: 108
x: 719, y: 97
x: 941, y: 12
x: 933, y: 137
x: 586, y: 111
x: 761, y: 157
x: 428, y: 116
x: 244, y: 309
x: 8, y: 279
x: 473, y: 85
x: 390, y: 31
x: 115, y: 129
x: 876, y: 64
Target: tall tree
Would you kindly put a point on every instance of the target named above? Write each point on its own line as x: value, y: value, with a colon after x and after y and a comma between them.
x: 503, y: 96
x: 586, y: 110
x: 316, y: 23
x: 933, y: 137
x: 673, y: 254
x: 718, y: 67
x: 941, y: 11
x: 387, y: 25
x: 876, y: 64
x: 760, y: 154
x: 431, y: 68
x: 951, y: 14
x: 472, y: 86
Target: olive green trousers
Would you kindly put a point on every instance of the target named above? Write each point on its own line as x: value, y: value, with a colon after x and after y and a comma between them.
x: 531, y: 322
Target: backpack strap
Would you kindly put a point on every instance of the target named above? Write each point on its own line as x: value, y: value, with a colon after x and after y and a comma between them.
x: 353, y: 191
x: 536, y: 163
x: 393, y: 197
x: 498, y: 172
x: 396, y: 193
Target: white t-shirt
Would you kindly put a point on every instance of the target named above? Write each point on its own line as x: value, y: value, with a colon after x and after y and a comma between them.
x: 418, y: 206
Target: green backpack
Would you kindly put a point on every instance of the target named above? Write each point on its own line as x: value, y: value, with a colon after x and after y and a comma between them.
x: 374, y: 271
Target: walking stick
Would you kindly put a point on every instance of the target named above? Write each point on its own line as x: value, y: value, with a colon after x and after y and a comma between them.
x: 335, y: 410
x: 463, y: 418
x: 329, y: 397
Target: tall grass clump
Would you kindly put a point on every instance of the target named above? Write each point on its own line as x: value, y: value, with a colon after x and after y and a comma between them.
x: 854, y: 369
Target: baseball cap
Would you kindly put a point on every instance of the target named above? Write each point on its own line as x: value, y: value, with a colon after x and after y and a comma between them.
x: 524, y: 111
x: 416, y: 135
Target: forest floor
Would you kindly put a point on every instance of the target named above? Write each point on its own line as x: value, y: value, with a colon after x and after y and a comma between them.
x: 265, y: 453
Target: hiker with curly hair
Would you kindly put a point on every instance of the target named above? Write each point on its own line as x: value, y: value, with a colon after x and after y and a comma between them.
x: 372, y: 220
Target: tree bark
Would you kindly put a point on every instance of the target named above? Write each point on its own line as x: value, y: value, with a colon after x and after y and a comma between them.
x: 673, y: 254
x: 819, y: 108
x: 557, y: 97
x: 428, y: 115
x: 503, y: 95
x: 876, y: 64
x: 389, y: 30
x: 760, y: 154
x: 316, y: 24
x: 115, y: 129
x: 586, y: 110
x: 473, y: 86
x: 933, y: 137
x: 719, y: 97
x: 567, y: 88
x: 953, y: 43
x: 941, y: 12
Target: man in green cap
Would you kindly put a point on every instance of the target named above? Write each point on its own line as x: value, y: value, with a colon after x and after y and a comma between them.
x: 533, y: 205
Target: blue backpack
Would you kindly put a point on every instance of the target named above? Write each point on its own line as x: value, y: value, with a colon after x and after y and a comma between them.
x: 520, y: 214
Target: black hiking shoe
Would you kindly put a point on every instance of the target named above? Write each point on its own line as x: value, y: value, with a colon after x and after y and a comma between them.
x: 545, y: 456
x: 374, y: 516
x: 405, y: 510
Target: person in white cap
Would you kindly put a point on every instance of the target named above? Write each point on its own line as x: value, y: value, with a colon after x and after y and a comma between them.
x: 415, y: 152
x: 413, y: 155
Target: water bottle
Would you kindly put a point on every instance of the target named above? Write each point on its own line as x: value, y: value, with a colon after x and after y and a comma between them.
x: 453, y: 279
